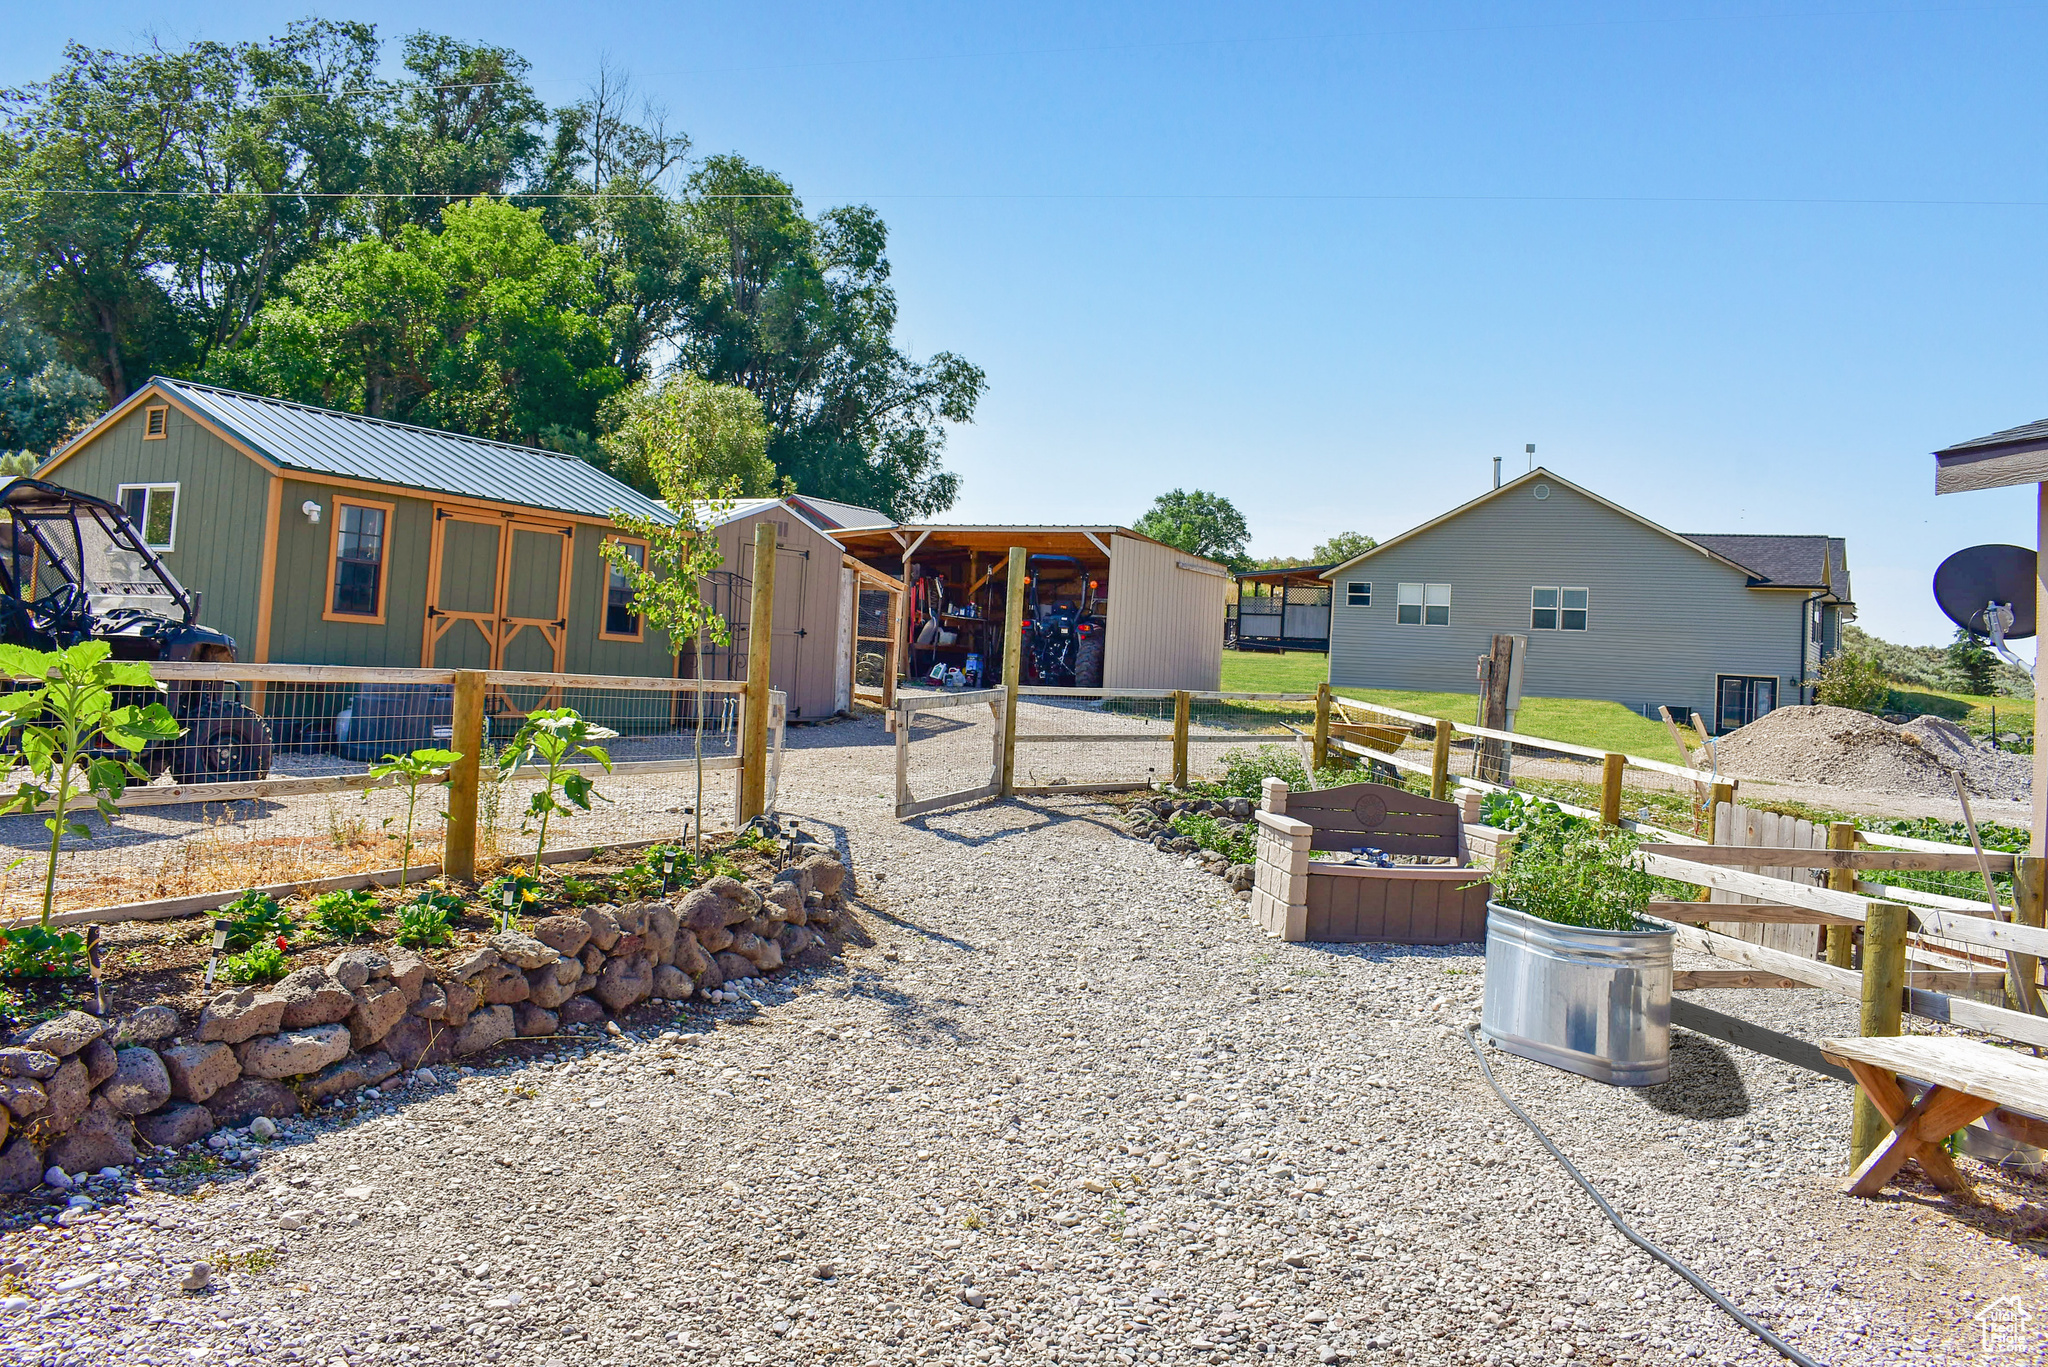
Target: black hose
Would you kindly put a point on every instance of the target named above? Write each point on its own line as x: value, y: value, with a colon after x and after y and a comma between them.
x: 1699, y: 1283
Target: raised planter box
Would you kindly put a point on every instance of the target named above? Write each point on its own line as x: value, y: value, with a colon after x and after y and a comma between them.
x: 1299, y: 898
x: 1592, y: 1002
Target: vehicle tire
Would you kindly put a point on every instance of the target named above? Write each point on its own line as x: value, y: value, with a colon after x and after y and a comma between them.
x: 222, y: 745
x: 1088, y: 661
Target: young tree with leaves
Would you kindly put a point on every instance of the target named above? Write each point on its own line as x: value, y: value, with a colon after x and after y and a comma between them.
x: 698, y: 442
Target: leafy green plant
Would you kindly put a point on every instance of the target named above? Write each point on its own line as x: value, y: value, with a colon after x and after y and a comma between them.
x: 39, y: 952
x: 424, y: 922
x: 260, y: 963
x: 62, y: 719
x: 421, y: 768
x: 1575, y: 873
x: 581, y: 891
x: 346, y: 914
x: 524, y: 892
x: 1208, y: 833
x: 1518, y: 812
x: 256, y: 916
x: 1852, y: 679
x: 557, y: 738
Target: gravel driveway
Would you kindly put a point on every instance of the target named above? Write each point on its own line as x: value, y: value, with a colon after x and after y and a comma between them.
x: 1061, y: 1102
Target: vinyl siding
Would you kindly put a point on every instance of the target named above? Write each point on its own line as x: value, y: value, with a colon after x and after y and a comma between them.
x: 1663, y: 620
x: 1165, y: 624
x: 221, y: 497
x: 299, y: 633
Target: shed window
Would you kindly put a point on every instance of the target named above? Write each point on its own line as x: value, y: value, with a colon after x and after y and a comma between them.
x: 1423, y: 605
x: 153, y: 508
x: 1557, y: 609
x: 1357, y: 594
x: 620, y: 621
x: 156, y: 423
x: 359, y: 559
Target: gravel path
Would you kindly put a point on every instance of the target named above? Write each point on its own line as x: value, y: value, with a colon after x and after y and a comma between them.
x: 1061, y: 1102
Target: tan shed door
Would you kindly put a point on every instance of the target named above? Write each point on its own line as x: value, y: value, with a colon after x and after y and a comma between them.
x: 466, y: 566
x: 791, y: 632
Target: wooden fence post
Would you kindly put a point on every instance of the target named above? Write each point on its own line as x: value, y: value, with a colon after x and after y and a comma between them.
x: 1884, y: 990
x: 1611, y: 767
x: 1841, y: 939
x: 2029, y: 900
x: 1440, y: 761
x: 760, y: 639
x: 1183, y: 705
x: 466, y: 737
x: 1013, y: 663
x: 1716, y: 795
x: 1319, y: 749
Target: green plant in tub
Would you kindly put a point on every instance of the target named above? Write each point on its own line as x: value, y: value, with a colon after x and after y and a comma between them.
x: 62, y: 721
x: 1576, y: 874
x: 421, y: 768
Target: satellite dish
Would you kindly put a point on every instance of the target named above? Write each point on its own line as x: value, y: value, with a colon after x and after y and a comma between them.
x: 1970, y: 580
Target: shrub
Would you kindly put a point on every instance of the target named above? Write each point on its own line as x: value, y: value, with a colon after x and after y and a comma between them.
x: 254, y: 917
x: 1853, y: 680
x: 1245, y: 770
x: 1209, y: 833
x: 262, y: 963
x: 1975, y: 667
x: 1575, y: 873
x: 346, y: 915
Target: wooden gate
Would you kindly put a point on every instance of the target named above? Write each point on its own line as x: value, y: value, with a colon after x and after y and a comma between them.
x: 1738, y: 826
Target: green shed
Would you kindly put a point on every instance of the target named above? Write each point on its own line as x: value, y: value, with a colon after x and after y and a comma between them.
x: 319, y: 537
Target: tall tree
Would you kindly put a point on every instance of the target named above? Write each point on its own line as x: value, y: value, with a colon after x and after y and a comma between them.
x: 717, y: 429
x: 1341, y: 547
x: 484, y: 327
x: 158, y: 196
x: 467, y: 124
x: 799, y: 310
x: 1200, y: 523
x: 42, y: 399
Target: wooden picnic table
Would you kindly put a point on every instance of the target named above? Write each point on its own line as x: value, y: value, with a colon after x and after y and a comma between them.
x: 1966, y: 1080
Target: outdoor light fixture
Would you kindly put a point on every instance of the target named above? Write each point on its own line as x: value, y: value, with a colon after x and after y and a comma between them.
x: 668, y: 869
x: 220, y: 942
x: 311, y: 510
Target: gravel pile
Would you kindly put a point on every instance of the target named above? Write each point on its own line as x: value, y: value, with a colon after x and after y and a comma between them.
x: 1061, y: 1103
x: 1835, y: 745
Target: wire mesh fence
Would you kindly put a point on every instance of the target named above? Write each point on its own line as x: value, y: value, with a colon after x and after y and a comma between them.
x: 271, y: 781
x: 949, y: 747
x: 1082, y: 738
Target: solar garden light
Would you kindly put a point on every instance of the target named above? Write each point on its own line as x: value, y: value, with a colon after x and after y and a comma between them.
x: 220, y: 942
x: 511, y: 897
x: 668, y: 868
x: 94, y: 956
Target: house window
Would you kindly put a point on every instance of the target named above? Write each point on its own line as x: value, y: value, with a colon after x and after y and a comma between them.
x: 356, y: 576
x: 1423, y: 605
x: 621, y: 623
x: 1556, y: 609
x: 1741, y: 699
x: 153, y: 509
x: 1358, y: 595
x: 156, y: 423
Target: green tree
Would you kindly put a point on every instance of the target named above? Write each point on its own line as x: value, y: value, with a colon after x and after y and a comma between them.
x: 1975, y: 667
x: 1341, y: 547
x: 799, y: 311
x: 468, y: 124
x: 1852, y: 679
x: 43, y: 400
x: 484, y: 328
x: 712, y: 434
x: 1200, y: 523
x: 697, y: 443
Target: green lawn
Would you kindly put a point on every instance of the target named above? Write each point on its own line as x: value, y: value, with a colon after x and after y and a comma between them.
x: 1577, y: 721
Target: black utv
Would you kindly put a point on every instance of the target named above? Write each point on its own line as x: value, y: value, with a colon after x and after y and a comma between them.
x: 72, y: 569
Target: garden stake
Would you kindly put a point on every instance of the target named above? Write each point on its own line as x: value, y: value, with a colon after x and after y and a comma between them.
x: 220, y: 942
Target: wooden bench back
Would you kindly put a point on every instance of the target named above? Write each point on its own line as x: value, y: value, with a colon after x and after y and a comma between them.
x: 1374, y: 814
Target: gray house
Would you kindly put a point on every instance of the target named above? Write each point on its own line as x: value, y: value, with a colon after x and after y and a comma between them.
x: 1614, y: 606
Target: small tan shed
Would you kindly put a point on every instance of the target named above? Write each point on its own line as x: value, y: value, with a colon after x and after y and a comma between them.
x: 811, y: 653
x: 1162, y: 610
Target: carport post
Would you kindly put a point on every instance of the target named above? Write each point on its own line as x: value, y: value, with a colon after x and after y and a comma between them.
x: 760, y: 634
x: 1884, y: 1001
x: 466, y: 738
x: 1013, y: 662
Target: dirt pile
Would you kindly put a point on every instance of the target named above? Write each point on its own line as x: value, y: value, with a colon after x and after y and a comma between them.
x: 1848, y: 749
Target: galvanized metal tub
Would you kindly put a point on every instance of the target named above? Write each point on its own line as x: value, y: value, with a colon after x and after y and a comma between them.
x: 1592, y: 1002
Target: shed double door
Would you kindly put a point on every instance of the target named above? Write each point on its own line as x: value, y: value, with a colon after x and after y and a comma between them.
x: 498, y: 594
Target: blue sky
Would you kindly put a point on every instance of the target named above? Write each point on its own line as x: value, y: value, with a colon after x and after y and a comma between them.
x: 1738, y: 266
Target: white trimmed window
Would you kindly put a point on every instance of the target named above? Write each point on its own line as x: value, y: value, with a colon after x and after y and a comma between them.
x: 153, y: 508
x: 1423, y: 605
x: 1358, y: 594
x: 1558, y: 609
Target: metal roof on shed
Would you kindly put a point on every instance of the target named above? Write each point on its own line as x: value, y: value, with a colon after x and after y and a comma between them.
x: 350, y: 446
